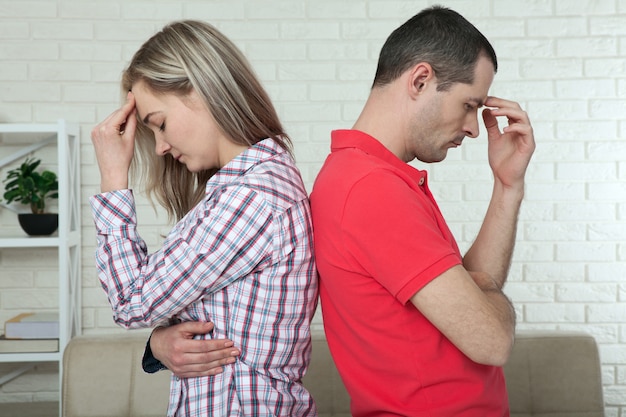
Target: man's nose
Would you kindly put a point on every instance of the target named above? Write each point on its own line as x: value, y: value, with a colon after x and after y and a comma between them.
x: 471, y: 127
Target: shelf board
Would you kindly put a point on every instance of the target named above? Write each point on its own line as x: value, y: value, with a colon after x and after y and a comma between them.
x: 31, y: 357
x: 37, y: 242
x: 29, y: 127
x: 29, y: 242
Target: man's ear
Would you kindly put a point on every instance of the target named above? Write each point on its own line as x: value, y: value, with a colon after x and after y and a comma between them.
x: 420, y: 76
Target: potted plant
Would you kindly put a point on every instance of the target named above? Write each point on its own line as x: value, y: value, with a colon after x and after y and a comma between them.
x: 30, y: 187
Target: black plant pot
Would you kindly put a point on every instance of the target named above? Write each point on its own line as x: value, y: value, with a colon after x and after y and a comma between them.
x: 39, y: 224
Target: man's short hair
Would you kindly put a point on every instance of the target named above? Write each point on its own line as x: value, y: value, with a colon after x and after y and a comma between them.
x: 442, y: 38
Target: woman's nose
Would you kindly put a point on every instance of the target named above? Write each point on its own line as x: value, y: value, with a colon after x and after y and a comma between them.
x: 161, y: 147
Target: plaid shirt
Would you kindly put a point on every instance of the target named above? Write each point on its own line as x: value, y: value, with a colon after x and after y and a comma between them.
x: 243, y: 259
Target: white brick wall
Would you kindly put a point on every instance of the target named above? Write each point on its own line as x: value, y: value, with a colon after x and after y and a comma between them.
x: 564, y: 60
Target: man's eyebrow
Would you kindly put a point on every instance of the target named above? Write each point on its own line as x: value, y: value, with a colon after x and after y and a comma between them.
x: 478, y: 101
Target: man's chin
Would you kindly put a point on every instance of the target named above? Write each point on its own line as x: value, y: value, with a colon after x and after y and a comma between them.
x: 432, y: 159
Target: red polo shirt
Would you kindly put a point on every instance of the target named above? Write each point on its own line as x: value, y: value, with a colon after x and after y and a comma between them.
x: 379, y: 238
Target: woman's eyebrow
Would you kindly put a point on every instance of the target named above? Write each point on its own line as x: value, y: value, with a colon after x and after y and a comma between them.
x: 146, y: 119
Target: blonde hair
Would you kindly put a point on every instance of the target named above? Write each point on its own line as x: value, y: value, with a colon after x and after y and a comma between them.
x: 192, y: 55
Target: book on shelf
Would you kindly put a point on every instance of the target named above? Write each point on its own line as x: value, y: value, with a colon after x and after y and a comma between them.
x: 32, y: 326
x: 28, y: 345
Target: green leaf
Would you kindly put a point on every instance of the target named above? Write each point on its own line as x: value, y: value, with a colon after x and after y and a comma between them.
x: 27, y: 186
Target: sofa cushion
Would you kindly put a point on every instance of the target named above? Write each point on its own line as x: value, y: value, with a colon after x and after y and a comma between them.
x: 549, y: 374
x: 324, y: 383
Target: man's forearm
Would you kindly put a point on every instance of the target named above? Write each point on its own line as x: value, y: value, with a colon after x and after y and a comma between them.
x: 493, y: 248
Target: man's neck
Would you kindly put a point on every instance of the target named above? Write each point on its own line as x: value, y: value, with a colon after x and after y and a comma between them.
x: 383, y: 118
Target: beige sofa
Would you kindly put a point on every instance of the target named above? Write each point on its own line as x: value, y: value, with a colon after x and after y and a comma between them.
x: 553, y: 374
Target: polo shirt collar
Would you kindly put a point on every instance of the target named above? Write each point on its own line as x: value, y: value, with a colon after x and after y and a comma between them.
x: 347, y: 138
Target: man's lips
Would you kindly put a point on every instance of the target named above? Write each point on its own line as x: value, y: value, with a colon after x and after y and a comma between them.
x: 457, y: 142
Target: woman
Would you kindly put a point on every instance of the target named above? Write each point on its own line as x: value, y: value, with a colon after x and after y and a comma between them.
x: 240, y: 255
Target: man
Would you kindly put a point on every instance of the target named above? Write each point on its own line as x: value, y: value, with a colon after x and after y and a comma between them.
x: 416, y: 329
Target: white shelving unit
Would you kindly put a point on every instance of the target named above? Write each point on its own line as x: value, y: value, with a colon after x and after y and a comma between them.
x: 28, y: 139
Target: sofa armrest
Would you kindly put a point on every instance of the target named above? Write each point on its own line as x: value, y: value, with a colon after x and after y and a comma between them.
x: 554, y: 374
x: 102, y: 377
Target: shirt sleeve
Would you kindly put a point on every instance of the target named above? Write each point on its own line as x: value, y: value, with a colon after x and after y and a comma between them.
x: 396, y: 233
x: 221, y: 240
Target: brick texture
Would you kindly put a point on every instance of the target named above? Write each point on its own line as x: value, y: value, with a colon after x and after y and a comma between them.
x: 564, y: 61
